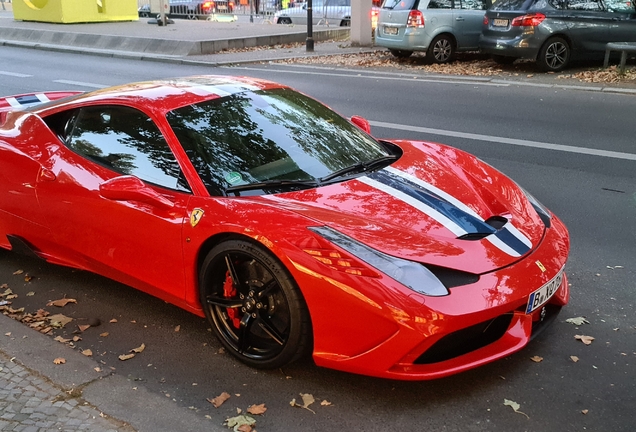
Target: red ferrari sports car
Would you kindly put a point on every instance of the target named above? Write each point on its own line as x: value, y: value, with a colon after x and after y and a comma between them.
x: 289, y: 227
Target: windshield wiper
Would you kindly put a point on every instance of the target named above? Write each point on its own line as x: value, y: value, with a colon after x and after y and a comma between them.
x: 358, y: 168
x: 268, y: 184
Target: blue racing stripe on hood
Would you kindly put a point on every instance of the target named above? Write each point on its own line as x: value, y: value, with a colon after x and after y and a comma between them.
x: 467, y: 222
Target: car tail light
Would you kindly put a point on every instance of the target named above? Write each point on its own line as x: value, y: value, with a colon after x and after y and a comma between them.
x: 207, y: 5
x: 416, y: 19
x: 485, y: 20
x: 530, y: 20
x: 231, y: 5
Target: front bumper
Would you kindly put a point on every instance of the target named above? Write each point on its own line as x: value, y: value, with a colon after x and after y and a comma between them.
x: 474, y: 325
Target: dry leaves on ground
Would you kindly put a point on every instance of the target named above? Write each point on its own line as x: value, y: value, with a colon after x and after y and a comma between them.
x: 219, y: 400
x: 515, y: 406
x: 587, y: 340
x: 536, y: 359
x: 577, y: 321
x: 59, y: 361
x: 307, y: 398
x: 257, y: 409
x: 61, y: 302
x: 240, y: 423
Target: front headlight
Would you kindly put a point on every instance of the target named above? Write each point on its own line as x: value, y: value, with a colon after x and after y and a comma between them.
x: 541, y: 210
x: 408, y: 273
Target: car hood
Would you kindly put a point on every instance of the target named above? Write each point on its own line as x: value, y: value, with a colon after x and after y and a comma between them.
x: 435, y: 205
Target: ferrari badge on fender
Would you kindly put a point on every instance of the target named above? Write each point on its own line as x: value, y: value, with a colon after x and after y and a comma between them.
x: 196, y: 216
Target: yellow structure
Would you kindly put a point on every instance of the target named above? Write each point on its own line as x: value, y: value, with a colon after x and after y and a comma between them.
x: 75, y: 11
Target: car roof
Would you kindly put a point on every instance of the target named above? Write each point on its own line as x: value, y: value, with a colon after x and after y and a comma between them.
x: 166, y: 94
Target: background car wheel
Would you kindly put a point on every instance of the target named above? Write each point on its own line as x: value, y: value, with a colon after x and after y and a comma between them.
x: 345, y: 23
x: 284, y: 20
x: 503, y: 60
x: 442, y: 49
x: 192, y: 16
x: 254, y: 306
x: 554, y: 55
x: 401, y: 53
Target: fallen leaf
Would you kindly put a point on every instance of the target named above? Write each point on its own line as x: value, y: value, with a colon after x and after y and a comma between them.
x: 585, y: 411
x: 61, y: 339
x: 18, y: 272
x: 126, y: 357
x: 574, y: 358
x: 105, y: 334
x: 87, y: 352
x: 177, y: 328
x: 325, y: 403
x: 30, y: 294
x: 218, y: 401
x: 11, y: 296
x: 59, y: 361
x: 59, y: 320
x: 577, y: 321
x: 587, y: 340
x: 238, y: 421
x: 28, y: 278
x: 114, y: 320
x: 244, y: 428
x: 61, y: 302
x: 515, y: 406
x: 84, y: 327
x: 139, y: 349
x: 257, y: 409
x: 8, y: 334
x: 307, y: 398
x: 536, y: 359
x: 97, y: 369
x: 76, y: 338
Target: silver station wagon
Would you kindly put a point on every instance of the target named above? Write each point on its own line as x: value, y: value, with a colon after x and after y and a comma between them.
x: 439, y: 27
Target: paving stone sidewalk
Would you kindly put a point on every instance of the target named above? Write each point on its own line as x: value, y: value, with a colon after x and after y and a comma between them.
x: 29, y: 403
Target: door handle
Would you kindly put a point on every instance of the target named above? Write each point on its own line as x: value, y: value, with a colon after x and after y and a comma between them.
x: 459, y: 19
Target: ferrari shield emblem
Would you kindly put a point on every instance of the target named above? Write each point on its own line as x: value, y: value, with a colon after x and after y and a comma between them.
x: 541, y: 266
x: 196, y: 216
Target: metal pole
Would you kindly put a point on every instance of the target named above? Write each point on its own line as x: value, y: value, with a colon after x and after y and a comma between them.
x: 309, y: 44
x: 251, y: 11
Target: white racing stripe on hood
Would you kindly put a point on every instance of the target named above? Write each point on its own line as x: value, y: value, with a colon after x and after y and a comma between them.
x: 429, y: 211
x: 447, y: 223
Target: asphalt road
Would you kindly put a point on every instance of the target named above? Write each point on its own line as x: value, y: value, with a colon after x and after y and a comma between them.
x: 595, y: 195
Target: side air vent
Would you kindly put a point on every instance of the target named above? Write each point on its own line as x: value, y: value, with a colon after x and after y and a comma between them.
x: 496, y: 222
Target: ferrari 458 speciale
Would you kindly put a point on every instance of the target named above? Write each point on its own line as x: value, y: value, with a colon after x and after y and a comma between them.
x: 289, y: 227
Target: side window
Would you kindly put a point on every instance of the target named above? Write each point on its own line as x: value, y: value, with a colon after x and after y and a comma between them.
x: 472, y: 4
x: 620, y: 6
x: 441, y: 4
x: 587, y: 5
x: 128, y: 142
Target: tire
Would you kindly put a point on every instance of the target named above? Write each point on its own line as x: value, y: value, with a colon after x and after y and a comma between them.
x: 345, y: 23
x: 400, y: 53
x: 284, y: 20
x: 554, y: 55
x: 503, y: 60
x: 442, y: 49
x: 192, y: 16
x: 254, y: 306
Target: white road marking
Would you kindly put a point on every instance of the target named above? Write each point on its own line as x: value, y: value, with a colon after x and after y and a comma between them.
x: 15, y: 74
x: 510, y: 141
x: 81, y: 84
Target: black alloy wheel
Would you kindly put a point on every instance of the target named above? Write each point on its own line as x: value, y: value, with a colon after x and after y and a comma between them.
x: 554, y: 55
x: 254, y: 306
x: 400, y: 53
x: 442, y: 49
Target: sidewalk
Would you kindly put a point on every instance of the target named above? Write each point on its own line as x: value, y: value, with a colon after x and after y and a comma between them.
x: 38, y: 395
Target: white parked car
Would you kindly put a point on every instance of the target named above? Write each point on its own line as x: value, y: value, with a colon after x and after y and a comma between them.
x: 332, y: 12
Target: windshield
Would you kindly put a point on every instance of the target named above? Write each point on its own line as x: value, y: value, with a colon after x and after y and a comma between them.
x: 511, y: 5
x: 274, y: 137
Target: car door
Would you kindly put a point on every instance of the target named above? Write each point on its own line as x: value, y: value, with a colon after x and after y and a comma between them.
x: 20, y: 167
x: 588, y: 25
x: 468, y: 17
x: 116, y: 201
x: 623, y: 25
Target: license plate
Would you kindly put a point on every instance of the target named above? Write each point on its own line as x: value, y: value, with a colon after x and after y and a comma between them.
x: 497, y: 22
x: 390, y: 30
x: 543, y: 294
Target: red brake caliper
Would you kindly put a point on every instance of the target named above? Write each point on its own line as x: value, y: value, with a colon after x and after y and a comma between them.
x: 229, y: 290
